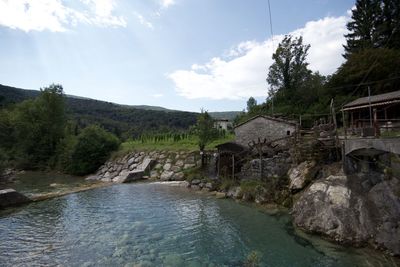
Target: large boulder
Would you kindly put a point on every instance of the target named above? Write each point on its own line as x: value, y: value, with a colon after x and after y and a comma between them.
x: 340, y: 208
x: 10, y: 197
x: 300, y: 175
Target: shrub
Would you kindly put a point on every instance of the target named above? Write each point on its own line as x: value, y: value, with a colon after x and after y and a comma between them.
x: 88, y: 151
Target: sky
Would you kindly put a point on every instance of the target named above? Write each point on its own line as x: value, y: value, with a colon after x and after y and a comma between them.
x: 178, y: 54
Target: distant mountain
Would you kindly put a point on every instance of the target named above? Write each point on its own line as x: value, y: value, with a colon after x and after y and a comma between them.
x: 125, y: 121
x: 229, y: 115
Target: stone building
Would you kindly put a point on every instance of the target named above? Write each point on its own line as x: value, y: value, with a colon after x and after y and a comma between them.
x: 222, y: 124
x: 261, y: 127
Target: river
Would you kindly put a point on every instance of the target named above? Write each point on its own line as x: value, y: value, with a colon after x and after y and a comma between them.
x: 151, y: 224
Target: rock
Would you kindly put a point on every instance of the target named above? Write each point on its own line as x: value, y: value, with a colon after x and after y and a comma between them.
x: 210, y: 186
x: 167, y: 167
x: 106, y: 180
x: 188, y: 166
x: 235, y: 192
x: 300, y: 175
x: 195, y: 182
x: 10, y: 197
x: 175, y: 168
x: 179, y: 163
x: 179, y: 176
x: 133, y: 166
x: 154, y: 174
x: 166, y: 175
x: 340, y: 208
x: 158, y: 166
x: 131, y: 161
x: 54, y: 185
x: 168, y: 160
x: 220, y: 195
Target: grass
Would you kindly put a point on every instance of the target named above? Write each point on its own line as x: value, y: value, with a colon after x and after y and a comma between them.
x: 189, y: 144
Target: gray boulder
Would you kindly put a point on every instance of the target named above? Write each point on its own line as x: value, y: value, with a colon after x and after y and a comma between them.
x: 10, y: 197
x: 300, y: 175
x: 340, y: 208
x: 127, y: 177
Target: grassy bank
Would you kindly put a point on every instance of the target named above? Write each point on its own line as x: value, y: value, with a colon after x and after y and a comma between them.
x: 189, y: 144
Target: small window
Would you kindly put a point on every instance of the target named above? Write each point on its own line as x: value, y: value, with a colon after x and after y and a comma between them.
x: 287, y: 132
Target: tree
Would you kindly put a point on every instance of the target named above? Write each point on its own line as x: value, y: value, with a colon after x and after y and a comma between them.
x: 374, y: 24
x: 205, y: 130
x: 289, y: 70
x: 388, y: 24
x: 38, y: 127
x: 85, y: 153
x: 362, y: 27
x: 377, y: 68
x: 251, y: 103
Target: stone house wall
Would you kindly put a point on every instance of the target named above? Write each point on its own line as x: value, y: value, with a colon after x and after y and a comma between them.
x: 276, y: 166
x: 263, y: 127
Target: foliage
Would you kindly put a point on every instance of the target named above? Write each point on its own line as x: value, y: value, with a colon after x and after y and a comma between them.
x: 374, y: 24
x: 187, y: 144
x: 251, y: 104
x: 36, y: 127
x: 124, y: 121
x: 205, y: 130
x: 289, y: 70
x: 89, y: 150
x: 378, y: 68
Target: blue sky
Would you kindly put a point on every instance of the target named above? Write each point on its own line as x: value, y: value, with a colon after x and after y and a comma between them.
x: 179, y: 54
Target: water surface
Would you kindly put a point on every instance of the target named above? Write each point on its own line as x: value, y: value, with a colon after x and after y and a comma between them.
x: 159, y: 225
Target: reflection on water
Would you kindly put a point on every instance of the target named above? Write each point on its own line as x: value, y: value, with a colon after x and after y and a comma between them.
x: 158, y: 225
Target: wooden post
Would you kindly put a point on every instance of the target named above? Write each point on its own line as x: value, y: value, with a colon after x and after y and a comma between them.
x: 344, y: 125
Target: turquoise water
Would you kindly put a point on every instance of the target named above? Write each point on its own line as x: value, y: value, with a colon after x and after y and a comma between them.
x: 159, y: 225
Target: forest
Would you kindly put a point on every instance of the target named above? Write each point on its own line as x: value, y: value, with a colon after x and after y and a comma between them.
x: 123, y: 121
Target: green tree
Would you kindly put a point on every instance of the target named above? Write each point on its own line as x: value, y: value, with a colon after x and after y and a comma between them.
x: 388, y: 24
x: 38, y: 126
x: 377, y: 68
x: 88, y: 151
x: 205, y: 130
x: 251, y: 103
x: 362, y: 27
x: 290, y: 68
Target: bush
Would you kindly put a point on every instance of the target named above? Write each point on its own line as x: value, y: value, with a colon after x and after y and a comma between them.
x: 88, y: 151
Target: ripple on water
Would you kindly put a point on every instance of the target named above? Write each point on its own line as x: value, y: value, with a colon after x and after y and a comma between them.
x: 157, y: 225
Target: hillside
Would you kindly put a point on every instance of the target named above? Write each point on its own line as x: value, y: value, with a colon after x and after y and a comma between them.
x: 124, y: 121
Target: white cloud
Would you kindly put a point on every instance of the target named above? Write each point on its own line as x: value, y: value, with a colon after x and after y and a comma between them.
x: 242, y: 72
x: 55, y: 16
x: 144, y: 22
x: 157, y: 95
x: 167, y: 3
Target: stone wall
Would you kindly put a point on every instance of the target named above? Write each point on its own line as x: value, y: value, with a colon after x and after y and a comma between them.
x: 276, y: 166
x: 263, y: 127
x: 163, y: 165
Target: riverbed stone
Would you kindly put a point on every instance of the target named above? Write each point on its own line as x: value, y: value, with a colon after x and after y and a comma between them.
x: 195, y: 182
x: 179, y: 176
x: 166, y: 175
x: 10, y: 197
